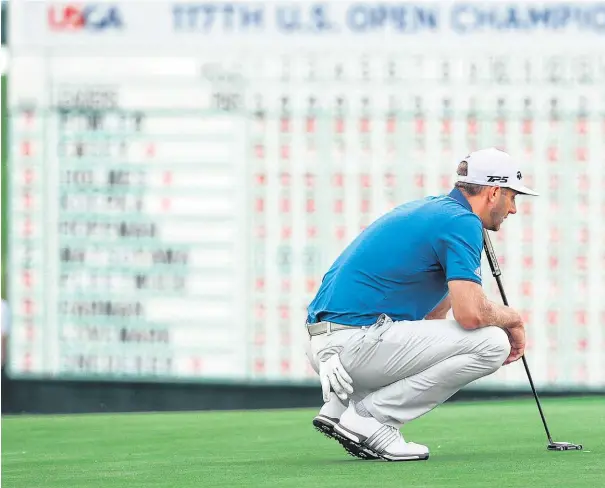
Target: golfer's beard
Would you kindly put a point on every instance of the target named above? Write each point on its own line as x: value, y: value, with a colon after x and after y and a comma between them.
x: 496, y: 218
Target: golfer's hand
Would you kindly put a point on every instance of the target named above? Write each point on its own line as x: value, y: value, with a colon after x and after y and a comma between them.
x: 332, y: 374
x: 516, y: 338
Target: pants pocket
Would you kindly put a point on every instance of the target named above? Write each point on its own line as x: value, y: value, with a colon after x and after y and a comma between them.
x: 367, y: 346
x: 374, y: 333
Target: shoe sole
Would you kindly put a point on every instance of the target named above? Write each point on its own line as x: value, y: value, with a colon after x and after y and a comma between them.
x: 325, y: 426
x: 357, y: 440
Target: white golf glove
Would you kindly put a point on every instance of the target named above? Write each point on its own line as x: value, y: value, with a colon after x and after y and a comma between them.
x: 332, y: 373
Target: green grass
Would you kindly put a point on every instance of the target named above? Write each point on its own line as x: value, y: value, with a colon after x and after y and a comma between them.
x: 472, y: 445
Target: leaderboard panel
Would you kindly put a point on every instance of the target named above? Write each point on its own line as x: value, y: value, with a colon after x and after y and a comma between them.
x: 178, y: 202
x: 127, y: 224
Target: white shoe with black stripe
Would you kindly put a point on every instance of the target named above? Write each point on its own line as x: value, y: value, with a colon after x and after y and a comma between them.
x: 384, y: 441
x: 326, y: 420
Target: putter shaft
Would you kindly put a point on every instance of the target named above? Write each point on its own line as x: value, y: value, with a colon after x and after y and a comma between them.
x: 493, y: 263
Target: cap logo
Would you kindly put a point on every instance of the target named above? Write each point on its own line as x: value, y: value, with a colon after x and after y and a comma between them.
x: 519, y: 175
x: 500, y: 179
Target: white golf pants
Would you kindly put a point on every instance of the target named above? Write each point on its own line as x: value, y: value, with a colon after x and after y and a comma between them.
x: 402, y: 370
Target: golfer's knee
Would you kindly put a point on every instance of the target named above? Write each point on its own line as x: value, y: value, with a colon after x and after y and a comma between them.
x: 497, y: 346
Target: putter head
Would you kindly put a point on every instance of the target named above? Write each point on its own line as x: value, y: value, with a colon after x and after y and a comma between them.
x: 564, y: 446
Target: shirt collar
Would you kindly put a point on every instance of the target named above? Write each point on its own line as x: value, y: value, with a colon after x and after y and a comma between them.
x: 457, y: 195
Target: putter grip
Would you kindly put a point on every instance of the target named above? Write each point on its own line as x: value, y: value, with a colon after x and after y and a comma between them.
x: 491, y: 255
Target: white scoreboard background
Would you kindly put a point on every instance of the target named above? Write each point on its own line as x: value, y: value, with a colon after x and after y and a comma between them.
x: 182, y: 174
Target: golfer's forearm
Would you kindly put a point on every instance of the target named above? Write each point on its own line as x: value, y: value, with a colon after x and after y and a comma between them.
x: 491, y: 313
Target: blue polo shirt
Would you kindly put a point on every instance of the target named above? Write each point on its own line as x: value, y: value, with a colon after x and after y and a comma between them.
x: 401, y: 264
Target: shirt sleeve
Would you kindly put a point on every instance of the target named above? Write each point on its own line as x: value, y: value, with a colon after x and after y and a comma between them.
x: 458, y: 247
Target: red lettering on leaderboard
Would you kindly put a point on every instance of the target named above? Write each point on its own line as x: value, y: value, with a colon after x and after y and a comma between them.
x: 285, y: 152
x: 260, y: 179
x: 553, y: 261
x: 284, y: 312
x: 27, y: 279
x: 311, y: 285
x: 285, y: 125
x: 28, y: 175
x: 391, y: 125
x: 26, y: 149
x: 284, y: 205
x: 74, y: 17
x: 196, y: 364
x: 338, y: 180
x: 419, y: 126
x: 528, y: 126
x: 310, y: 124
x: 27, y: 227
x: 364, y: 125
x: 285, y: 366
x: 27, y: 199
x: 338, y: 206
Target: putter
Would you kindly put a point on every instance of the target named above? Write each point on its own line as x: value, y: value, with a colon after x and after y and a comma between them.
x: 493, y: 264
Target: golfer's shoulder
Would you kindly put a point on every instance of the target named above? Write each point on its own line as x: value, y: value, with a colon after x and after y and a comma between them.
x: 451, y: 218
x: 451, y: 214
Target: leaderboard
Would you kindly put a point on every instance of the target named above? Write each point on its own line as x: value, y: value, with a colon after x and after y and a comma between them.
x: 126, y: 231
x: 178, y: 187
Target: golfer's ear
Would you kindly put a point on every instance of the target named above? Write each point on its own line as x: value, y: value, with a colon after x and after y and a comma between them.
x: 467, y: 299
x: 492, y: 193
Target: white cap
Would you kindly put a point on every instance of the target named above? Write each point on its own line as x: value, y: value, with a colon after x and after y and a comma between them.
x: 493, y: 167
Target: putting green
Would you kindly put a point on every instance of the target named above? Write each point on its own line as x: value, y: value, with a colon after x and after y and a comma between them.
x: 496, y: 443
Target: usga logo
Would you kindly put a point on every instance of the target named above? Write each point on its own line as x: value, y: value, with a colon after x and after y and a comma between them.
x: 79, y: 17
